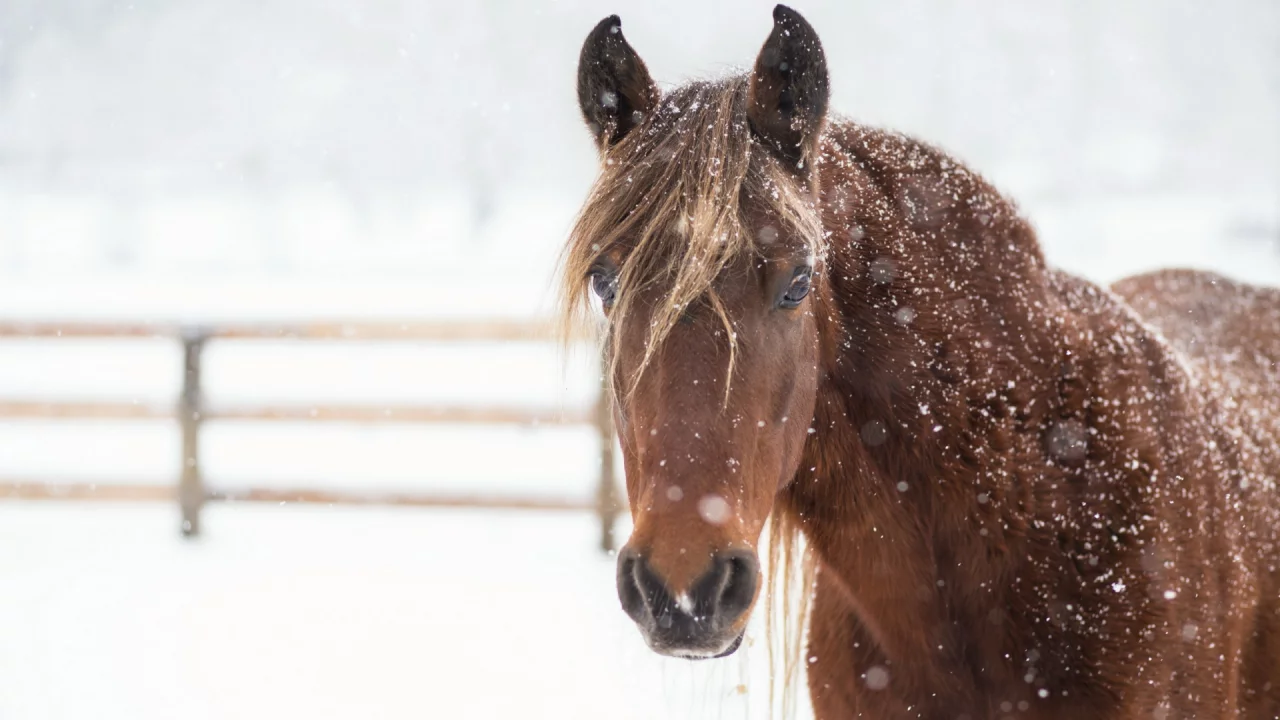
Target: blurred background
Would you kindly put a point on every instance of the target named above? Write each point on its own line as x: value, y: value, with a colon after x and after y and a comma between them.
x: 263, y: 261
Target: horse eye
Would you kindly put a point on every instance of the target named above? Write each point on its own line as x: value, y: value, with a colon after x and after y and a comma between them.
x: 800, y: 285
x: 605, y: 286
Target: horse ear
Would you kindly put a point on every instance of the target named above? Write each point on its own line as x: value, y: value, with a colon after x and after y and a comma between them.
x: 615, y: 91
x: 787, y: 99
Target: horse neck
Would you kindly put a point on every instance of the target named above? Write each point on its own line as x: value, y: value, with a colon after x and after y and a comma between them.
x: 933, y: 308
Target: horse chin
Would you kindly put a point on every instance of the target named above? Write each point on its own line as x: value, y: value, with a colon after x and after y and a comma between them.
x: 733, y: 647
x: 687, y: 654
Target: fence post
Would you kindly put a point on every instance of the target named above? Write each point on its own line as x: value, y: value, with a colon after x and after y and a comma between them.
x: 191, y: 492
x: 607, y: 492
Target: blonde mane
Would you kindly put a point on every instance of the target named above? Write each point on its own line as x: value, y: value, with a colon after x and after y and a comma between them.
x: 670, y: 201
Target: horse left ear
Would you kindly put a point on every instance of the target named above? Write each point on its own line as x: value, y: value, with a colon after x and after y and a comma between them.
x: 615, y: 91
x: 787, y: 98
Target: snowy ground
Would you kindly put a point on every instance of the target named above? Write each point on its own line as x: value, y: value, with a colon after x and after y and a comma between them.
x: 323, y: 613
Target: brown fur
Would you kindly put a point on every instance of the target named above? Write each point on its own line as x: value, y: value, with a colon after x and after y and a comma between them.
x: 1089, y: 439
x: 1025, y: 497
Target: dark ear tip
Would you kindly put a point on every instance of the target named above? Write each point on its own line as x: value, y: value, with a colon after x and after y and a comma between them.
x: 789, y: 19
x: 611, y: 24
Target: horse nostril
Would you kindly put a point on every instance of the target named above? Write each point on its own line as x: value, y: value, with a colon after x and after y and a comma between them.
x: 639, y: 589
x: 740, y: 573
x: 628, y: 592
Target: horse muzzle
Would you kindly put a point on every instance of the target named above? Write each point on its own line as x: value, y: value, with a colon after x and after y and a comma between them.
x: 699, y: 623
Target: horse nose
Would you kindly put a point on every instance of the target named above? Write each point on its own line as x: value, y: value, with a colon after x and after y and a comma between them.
x: 712, y: 603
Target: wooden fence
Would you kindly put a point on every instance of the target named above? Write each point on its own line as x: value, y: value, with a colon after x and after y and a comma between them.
x: 191, y: 411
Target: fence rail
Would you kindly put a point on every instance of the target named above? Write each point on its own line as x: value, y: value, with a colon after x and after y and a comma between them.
x: 45, y: 489
x: 446, y: 331
x: 313, y: 413
x: 191, y: 410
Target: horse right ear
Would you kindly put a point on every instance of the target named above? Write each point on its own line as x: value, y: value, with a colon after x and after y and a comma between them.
x: 615, y: 91
x: 787, y: 97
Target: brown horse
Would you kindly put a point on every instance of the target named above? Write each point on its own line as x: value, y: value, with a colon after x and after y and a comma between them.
x: 1025, y: 495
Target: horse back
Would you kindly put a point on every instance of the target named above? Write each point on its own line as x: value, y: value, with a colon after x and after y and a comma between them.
x: 1229, y: 333
x: 1231, y: 326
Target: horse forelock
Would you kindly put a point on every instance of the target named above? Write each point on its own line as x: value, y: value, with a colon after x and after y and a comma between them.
x: 670, y: 209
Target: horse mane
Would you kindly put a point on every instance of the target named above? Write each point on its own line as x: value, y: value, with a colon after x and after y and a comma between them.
x: 671, y: 204
x: 789, y: 584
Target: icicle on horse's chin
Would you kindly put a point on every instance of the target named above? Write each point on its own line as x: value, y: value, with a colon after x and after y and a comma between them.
x: 1022, y: 499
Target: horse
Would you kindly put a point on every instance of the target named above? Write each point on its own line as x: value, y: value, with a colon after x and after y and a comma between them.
x: 1022, y: 494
